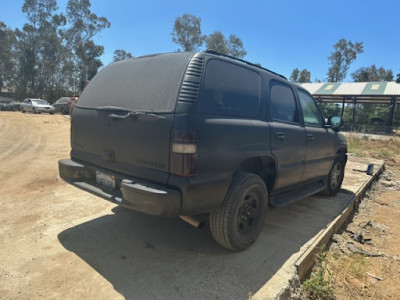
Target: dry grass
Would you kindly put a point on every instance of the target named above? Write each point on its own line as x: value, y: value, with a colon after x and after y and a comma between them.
x: 353, y: 274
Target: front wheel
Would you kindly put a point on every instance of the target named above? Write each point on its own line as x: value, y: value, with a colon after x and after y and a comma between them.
x: 335, y: 177
x: 238, y: 222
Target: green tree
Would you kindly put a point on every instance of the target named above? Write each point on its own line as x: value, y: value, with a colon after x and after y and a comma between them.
x: 53, y: 52
x: 187, y: 32
x: 120, y: 54
x: 340, y: 60
x: 398, y: 78
x: 37, y: 48
x: 331, y: 109
x: 371, y: 74
x: 88, y: 59
x: 232, y: 46
x: 84, y: 25
x: 235, y: 47
x: 302, y: 76
x: 217, y: 42
x: 295, y: 75
x: 7, y: 43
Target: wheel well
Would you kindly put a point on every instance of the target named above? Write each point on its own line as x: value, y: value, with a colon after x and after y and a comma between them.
x: 261, y: 166
x: 342, y: 152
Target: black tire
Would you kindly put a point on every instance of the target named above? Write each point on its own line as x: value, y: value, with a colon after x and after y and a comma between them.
x: 35, y: 111
x: 335, y: 177
x: 238, y: 222
x: 22, y: 110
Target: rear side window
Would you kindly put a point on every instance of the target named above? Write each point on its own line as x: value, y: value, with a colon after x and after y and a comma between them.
x: 229, y: 89
x: 283, y: 103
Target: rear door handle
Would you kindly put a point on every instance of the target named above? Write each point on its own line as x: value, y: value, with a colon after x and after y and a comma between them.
x: 310, y: 137
x: 280, y: 136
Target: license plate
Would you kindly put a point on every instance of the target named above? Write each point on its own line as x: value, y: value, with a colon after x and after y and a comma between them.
x: 105, y: 180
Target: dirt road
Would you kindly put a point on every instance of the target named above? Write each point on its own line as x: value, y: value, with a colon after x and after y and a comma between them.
x: 58, y: 242
x: 35, y: 207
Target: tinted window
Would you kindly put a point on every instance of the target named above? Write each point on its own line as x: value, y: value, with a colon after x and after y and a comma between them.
x: 283, y: 103
x: 230, y: 89
x: 147, y: 83
x: 311, y: 113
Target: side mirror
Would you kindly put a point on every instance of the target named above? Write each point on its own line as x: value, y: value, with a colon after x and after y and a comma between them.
x: 336, y: 123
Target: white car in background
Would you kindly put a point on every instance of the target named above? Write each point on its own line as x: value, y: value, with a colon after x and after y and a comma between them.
x: 37, y: 106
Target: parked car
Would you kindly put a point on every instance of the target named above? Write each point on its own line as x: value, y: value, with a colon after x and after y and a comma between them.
x: 62, y: 105
x: 12, y: 106
x: 74, y: 101
x: 183, y: 134
x: 36, y: 106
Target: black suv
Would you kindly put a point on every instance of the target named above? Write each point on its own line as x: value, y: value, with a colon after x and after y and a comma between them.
x: 183, y: 134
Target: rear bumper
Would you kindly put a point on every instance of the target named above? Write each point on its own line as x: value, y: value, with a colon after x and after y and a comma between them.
x: 139, y: 195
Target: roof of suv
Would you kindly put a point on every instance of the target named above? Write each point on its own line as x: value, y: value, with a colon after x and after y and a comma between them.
x: 242, y: 61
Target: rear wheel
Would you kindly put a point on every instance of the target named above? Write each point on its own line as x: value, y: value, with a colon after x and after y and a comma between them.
x: 335, y: 177
x: 237, y: 224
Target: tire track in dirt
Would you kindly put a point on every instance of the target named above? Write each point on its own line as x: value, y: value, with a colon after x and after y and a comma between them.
x: 35, y: 206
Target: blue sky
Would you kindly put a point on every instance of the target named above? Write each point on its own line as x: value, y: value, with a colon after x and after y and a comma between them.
x: 281, y: 34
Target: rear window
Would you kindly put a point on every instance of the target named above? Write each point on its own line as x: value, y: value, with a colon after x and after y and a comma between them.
x: 146, y: 84
x: 230, y: 89
x: 62, y: 100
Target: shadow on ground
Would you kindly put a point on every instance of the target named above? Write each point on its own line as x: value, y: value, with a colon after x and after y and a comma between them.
x: 146, y: 257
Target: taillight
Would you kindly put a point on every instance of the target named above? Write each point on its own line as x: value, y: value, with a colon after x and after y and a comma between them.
x: 183, y: 156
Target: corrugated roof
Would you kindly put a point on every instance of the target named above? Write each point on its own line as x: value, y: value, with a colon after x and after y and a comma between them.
x: 351, y: 88
x: 328, y: 88
x: 393, y: 88
x: 374, y: 88
x: 382, y: 88
x: 312, y: 87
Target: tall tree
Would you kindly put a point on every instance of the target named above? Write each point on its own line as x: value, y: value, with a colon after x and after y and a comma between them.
x: 295, y: 75
x: 302, y: 76
x: 84, y: 23
x: 232, y: 46
x: 217, y: 42
x: 372, y: 73
x: 53, y: 52
x: 7, y: 41
x: 398, y: 78
x: 37, y: 48
x: 235, y: 47
x: 89, y: 62
x: 84, y: 26
x: 187, y: 32
x: 340, y: 60
x: 120, y: 54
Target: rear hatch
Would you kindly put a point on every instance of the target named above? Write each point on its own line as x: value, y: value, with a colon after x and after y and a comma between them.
x: 124, y: 117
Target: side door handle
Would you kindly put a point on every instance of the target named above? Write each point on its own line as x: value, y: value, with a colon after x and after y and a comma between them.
x: 310, y: 137
x: 280, y: 136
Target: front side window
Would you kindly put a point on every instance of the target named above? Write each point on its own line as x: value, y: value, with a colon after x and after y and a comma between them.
x: 311, y: 113
x: 230, y: 89
x: 283, y: 103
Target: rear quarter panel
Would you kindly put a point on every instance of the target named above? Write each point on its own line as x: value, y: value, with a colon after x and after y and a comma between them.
x: 223, y: 144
